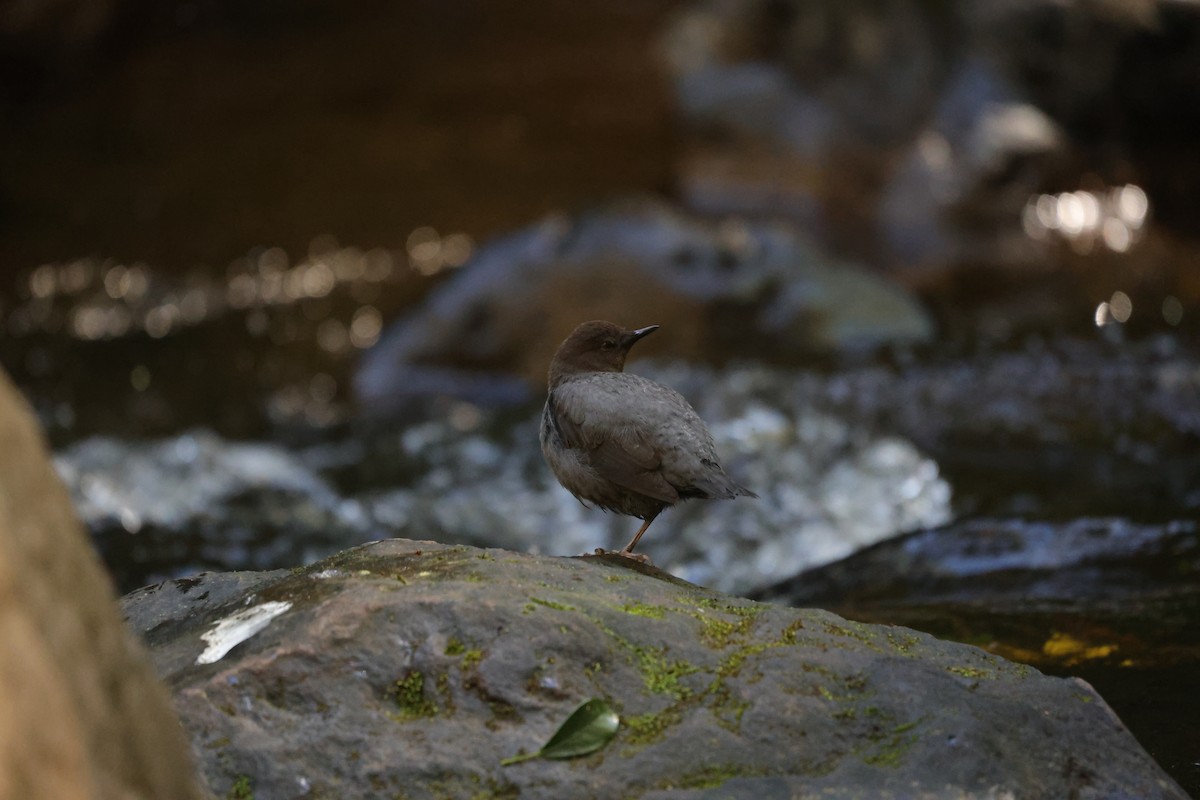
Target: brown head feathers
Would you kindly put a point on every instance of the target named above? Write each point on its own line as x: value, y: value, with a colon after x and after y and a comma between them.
x: 596, y: 346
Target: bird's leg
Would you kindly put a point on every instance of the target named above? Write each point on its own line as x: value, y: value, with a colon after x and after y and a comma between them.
x: 627, y: 550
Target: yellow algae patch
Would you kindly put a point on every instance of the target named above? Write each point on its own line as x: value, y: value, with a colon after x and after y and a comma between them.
x: 1064, y: 647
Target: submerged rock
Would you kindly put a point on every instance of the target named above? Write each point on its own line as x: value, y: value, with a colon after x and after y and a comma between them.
x: 1104, y: 567
x: 719, y: 289
x: 417, y: 668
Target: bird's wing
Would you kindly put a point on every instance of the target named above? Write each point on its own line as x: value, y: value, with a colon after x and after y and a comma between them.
x: 614, y: 449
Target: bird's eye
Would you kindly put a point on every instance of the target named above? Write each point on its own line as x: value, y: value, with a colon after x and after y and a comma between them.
x: 607, y: 344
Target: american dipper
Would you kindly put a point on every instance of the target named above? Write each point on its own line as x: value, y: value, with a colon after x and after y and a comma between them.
x: 620, y: 441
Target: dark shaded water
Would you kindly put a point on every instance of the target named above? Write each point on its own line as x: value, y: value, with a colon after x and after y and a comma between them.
x: 1150, y: 683
x: 195, y: 138
x: 206, y: 130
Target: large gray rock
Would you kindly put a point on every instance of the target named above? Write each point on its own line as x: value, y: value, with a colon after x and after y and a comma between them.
x: 415, y: 668
x: 1110, y: 600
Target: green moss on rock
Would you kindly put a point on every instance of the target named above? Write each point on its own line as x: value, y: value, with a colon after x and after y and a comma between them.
x: 241, y: 789
x: 973, y: 673
x: 552, y: 604
x: 408, y: 693
x: 661, y: 674
x: 644, y: 610
x: 649, y: 728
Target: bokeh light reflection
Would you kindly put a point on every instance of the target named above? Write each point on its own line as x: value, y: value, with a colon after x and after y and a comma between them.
x: 1117, y: 309
x: 278, y: 319
x: 1113, y: 218
x: 365, y: 327
x: 98, y: 300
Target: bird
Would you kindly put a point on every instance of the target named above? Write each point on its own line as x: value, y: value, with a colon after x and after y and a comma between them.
x: 622, y: 442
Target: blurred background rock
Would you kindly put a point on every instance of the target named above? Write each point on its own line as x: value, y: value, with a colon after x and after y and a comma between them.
x: 281, y: 278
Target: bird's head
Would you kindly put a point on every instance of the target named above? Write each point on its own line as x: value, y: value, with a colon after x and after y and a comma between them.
x: 595, y: 346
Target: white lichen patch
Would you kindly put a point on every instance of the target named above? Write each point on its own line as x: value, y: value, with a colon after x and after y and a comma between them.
x: 237, y: 628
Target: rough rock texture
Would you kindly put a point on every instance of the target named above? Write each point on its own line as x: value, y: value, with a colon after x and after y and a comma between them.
x: 1113, y: 601
x: 412, y: 668
x: 81, y: 714
x: 717, y: 288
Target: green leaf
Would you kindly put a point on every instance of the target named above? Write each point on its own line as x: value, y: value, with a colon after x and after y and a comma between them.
x: 587, y: 730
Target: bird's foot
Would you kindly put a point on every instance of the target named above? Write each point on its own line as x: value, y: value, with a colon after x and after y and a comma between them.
x: 641, y: 558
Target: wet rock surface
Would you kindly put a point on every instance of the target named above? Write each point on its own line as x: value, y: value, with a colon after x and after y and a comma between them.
x: 1108, y: 599
x: 1108, y: 567
x: 416, y: 667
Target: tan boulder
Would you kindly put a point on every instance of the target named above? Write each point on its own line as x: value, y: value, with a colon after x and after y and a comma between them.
x: 82, y: 714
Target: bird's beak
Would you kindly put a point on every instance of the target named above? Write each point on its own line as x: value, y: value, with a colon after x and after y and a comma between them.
x: 632, y: 337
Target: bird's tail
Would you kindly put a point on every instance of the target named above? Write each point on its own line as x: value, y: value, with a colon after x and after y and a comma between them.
x: 720, y: 487
x: 743, y: 491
